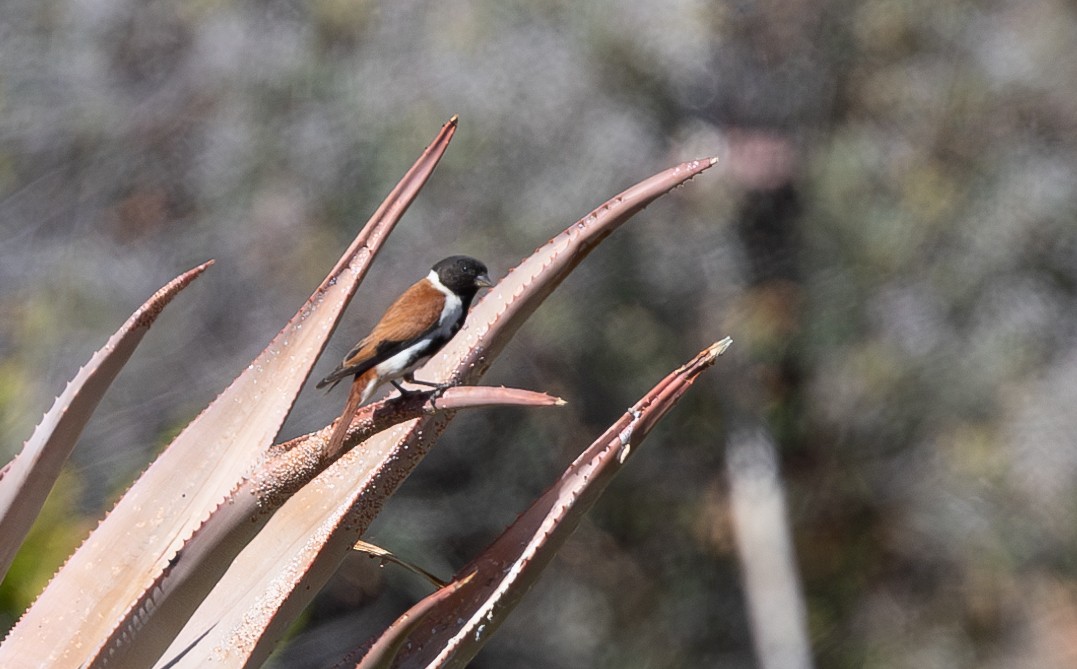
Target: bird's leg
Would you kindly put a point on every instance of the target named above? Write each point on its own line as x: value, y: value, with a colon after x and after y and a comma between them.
x: 404, y: 392
x: 439, y: 388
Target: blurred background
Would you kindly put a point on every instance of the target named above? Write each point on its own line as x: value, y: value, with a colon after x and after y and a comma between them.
x: 890, y: 239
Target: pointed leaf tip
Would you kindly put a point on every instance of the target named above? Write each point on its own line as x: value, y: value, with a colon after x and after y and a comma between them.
x: 719, y: 347
x: 25, y: 481
x: 153, y: 307
x: 707, y: 356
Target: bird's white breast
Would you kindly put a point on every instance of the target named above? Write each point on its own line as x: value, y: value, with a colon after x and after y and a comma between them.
x: 453, y: 309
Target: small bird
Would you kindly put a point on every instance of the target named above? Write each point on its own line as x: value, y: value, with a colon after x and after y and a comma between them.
x: 415, y: 327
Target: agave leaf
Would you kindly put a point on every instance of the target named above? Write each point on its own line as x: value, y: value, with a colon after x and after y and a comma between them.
x: 458, y: 625
x: 375, y: 418
x: 191, y: 574
x: 384, y: 651
x: 96, y: 592
x: 251, y: 607
x: 25, y: 482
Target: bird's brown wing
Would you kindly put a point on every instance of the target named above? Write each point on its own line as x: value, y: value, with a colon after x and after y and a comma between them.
x: 413, y: 315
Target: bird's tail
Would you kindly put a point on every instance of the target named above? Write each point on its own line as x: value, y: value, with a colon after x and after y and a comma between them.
x: 362, y: 388
x: 340, y: 373
x: 325, y: 382
x: 333, y: 379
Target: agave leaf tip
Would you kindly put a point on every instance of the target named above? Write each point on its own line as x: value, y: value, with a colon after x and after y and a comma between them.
x: 706, y: 357
x: 153, y: 307
x: 719, y: 347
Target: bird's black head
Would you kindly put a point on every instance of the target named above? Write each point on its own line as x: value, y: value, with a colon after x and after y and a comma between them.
x: 462, y: 275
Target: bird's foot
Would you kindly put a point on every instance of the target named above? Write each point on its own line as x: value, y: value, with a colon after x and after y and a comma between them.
x: 439, y: 388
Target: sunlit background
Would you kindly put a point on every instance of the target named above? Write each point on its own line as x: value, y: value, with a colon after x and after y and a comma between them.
x: 890, y: 239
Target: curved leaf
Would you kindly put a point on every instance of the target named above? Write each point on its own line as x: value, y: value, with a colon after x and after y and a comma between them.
x: 25, y: 482
x: 383, y: 653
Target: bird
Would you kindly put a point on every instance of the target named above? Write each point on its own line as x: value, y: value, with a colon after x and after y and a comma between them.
x: 414, y: 327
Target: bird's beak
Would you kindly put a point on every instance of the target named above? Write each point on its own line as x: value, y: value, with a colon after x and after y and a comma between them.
x: 483, y: 281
